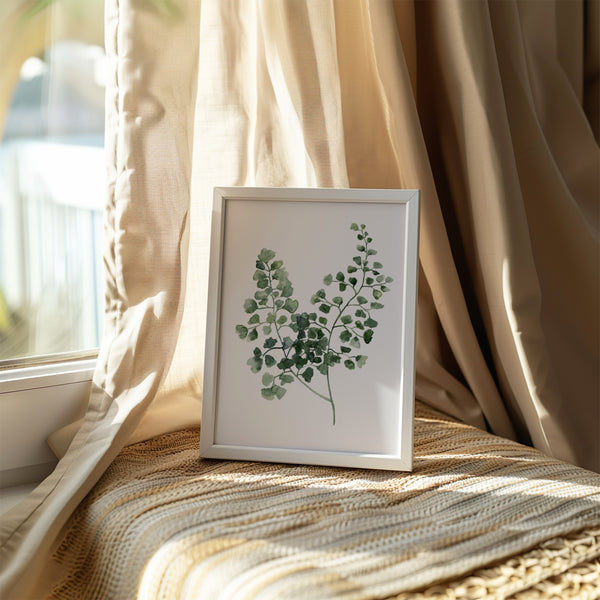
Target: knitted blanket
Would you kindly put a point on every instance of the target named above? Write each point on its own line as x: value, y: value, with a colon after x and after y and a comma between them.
x: 479, y: 516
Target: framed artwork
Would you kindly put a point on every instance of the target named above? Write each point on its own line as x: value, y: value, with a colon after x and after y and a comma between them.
x: 310, y: 336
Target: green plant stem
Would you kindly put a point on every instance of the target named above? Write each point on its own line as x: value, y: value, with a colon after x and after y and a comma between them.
x: 330, y: 399
x: 285, y: 353
x: 297, y: 376
x: 333, y: 326
x: 275, y: 311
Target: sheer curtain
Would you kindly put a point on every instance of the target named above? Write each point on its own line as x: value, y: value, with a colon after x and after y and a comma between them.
x: 487, y: 107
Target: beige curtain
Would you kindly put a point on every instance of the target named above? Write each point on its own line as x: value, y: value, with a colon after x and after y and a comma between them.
x: 490, y: 108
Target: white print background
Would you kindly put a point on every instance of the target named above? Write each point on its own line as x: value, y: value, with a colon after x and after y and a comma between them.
x: 313, y: 239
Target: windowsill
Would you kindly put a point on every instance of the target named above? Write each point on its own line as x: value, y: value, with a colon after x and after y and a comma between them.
x: 34, y: 402
x: 45, y: 375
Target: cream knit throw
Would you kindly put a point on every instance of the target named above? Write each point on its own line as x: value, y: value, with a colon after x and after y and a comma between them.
x: 163, y: 523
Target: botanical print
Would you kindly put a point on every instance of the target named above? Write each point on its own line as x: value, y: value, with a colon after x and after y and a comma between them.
x: 301, y: 346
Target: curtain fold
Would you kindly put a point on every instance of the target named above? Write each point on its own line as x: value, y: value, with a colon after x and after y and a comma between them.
x: 150, y: 100
x: 521, y: 195
x: 486, y: 107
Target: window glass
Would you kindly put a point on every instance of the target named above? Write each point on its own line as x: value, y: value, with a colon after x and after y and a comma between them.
x: 52, y: 189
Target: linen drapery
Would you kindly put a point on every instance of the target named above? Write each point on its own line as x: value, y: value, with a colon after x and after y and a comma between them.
x: 487, y: 107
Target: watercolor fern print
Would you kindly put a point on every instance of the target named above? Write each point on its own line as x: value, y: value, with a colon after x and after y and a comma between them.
x: 297, y: 346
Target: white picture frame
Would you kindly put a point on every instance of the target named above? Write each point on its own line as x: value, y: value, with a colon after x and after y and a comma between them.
x: 310, y: 337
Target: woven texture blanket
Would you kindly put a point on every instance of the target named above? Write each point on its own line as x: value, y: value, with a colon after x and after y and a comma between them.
x: 485, y: 516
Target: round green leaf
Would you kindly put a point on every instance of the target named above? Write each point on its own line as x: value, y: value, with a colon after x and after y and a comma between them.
x: 345, y: 336
x: 266, y: 255
x: 349, y: 364
x: 323, y: 368
x: 255, y: 364
x: 250, y: 306
x: 302, y: 320
x: 307, y: 374
x: 285, y: 363
x: 287, y: 290
x: 267, y: 379
x: 278, y: 391
x: 267, y: 393
x: 300, y: 362
x: 332, y: 359
x: 291, y: 305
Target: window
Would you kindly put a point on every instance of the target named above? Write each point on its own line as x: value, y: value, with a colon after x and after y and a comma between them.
x: 52, y: 188
x: 51, y: 201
